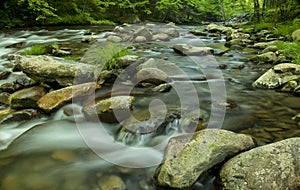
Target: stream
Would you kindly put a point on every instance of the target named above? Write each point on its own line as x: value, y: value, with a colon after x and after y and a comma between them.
x: 52, y: 152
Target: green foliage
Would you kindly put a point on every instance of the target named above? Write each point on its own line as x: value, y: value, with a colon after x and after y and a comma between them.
x: 71, y: 58
x: 263, y: 26
x: 290, y: 50
x: 35, y: 50
x: 112, y: 63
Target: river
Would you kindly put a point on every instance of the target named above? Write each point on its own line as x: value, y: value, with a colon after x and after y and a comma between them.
x: 52, y: 152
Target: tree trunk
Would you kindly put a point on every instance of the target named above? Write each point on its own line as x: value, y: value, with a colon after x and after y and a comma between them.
x: 256, y: 10
x: 222, y: 10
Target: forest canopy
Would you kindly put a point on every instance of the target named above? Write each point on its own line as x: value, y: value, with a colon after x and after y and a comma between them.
x: 20, y: 13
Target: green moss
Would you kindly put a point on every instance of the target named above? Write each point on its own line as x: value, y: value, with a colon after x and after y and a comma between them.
x: 35, y: 50
x: 290, y: 50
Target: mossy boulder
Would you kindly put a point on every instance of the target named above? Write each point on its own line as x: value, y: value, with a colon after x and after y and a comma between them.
x: 188, y: 156
x: 296, y: 35
x: 269, y: 167
x: 26, y: 98
x: 110, y: 110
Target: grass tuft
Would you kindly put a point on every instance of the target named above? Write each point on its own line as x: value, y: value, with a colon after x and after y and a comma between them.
x: 290, y: 50
x: 35, y: 50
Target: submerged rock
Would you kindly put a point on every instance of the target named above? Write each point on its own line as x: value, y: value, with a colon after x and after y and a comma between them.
x: 110, y: 110
x: 50, y: 69
x: 26, y: 98
x: 278, y: 75
x: 192, y: 50
x: 269, y: 167
x: 56, y: 99
x: 188, y: 156
x: 111, y: 182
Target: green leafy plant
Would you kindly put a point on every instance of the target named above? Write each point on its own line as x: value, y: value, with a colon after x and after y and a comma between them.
x: 290, y: 50
x: 112, y: 63
x: 35, y: 50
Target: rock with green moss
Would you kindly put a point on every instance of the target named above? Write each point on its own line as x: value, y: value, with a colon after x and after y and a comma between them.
x: 109, y: 110
x: 278, y: 76
x: 188, y: 156
x: 26, y: 98
x: 48, y: 69
x: 268, y: 57
x: 296, y: 35
x: 218, y: 28
x: 269, y: 167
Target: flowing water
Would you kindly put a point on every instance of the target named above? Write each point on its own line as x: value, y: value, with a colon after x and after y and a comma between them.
x: 52, y: 152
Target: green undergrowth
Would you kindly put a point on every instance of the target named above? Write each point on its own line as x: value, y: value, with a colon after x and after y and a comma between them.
x: 35, y: 50
x: 278, y: 29
x: 112, y: 63
x: 290, y: 50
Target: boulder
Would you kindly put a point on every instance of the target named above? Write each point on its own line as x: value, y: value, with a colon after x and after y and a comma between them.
x: 140, y: 39
x: 198, y: 32
x: 50, y: 69
x: 172, y: 32
x: 268, y: 57
x: 296, y: 35
x: 237, y: 42
x: 10, y: 115
x: 188, y: 156
x: 111, y: 182
x: 218, y: 28
x: 4, y: 96
x: 114, y: 38
x: 263, y: 45
x: 126, y: 60
x: 185, y: 49
x: 26, y: 98
x: 56, y: 99
x: 152, y: 75
x: 271, y: 48
x: 278, y: 75
x: 236, y: 35
x: 271, y: 167
x: 161, y: 37
x: 110, y: 110
x: 143, y: 31
x: 4, y: 74
x: 142, y: 123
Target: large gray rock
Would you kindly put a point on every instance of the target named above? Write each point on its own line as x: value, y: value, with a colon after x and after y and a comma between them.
x: 278, y: 75
x: 189, y: 156
x: 270, y: 167
x: 192, y: 50
x: 296, y: 35
x: 152, y: 75
x: 50, y: 69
